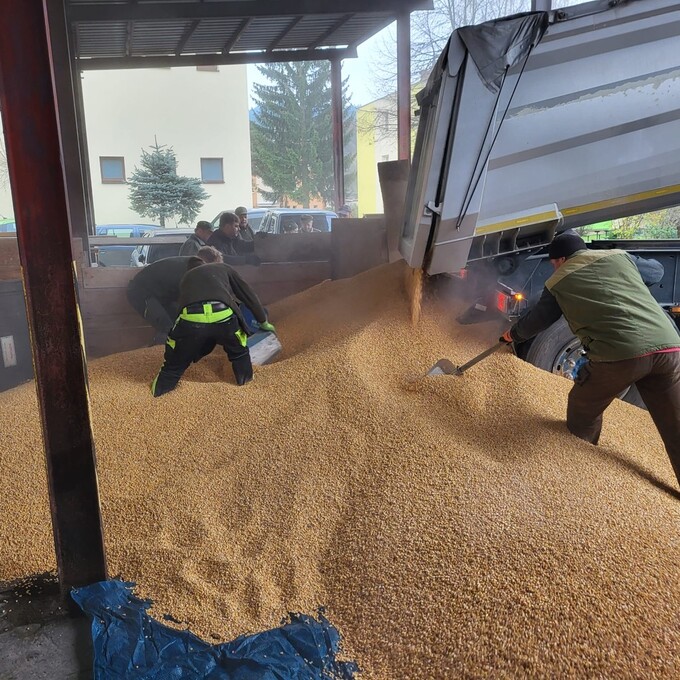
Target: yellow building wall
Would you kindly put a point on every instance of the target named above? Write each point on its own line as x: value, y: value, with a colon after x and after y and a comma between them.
x: 376, y: 143
x: 366, y: 165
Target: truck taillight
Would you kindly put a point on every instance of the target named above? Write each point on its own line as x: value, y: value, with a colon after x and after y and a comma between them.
x: 502, y: 302
x: 510, y: 304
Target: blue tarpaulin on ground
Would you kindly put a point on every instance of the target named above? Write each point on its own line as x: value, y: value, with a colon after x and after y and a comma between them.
x: 129, y: 644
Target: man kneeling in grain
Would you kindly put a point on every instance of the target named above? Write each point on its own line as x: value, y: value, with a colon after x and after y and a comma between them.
x: 210, y: 293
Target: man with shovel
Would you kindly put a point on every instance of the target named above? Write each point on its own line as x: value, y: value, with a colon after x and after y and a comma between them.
x: 627, y: 337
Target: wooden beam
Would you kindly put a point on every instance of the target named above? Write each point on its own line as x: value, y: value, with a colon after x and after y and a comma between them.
x: 107, y: 63
x: 228, y: 46
x: 68, y: 123
x: 291, y: 25
x: 329, y: 32
x: 29, y: 116
x: 162, y: 11
x: 186, y: 36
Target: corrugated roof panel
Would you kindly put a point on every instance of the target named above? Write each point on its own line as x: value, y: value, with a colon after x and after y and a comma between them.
x: 102, y: 40
x: 309, y: 30
x: 261, y: 32
x: 211, y: 35
x: 357, y: 28
x: 109, y: 36
x: 151, y: 37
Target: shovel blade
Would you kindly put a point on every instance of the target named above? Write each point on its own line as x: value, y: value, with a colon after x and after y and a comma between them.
x: 444, y: 367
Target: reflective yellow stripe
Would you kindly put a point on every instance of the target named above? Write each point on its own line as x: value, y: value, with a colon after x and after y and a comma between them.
x: 170, y: 342
x: 208, y: 315
x: 153, y: 386
x: 242, y: 337
x: 516, y: 222
x: 621, y: 200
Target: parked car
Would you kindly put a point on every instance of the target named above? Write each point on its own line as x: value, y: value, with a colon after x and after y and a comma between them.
x: 8, y: 226
x: 146, y: 254
x: 276, y: 219
x: 255, y: 216
x: 125, y: 230
x: 119, y: 256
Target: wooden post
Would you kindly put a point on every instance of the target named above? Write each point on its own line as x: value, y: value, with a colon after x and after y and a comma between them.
x: 338, y: 146
x: 29, y: 114
x: 72, y: 136
x: 404, y: 86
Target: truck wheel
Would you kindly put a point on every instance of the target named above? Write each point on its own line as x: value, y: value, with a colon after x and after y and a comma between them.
x: 558, y: 350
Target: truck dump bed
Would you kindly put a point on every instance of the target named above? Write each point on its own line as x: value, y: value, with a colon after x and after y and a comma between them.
x: 542, y: 122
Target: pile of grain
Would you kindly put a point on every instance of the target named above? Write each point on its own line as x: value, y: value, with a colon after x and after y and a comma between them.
x: 452, y: 527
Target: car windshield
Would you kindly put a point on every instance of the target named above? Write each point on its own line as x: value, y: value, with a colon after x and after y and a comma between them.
x: 255, y: 221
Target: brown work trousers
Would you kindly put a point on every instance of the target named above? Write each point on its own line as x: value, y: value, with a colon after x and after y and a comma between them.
x: 657, y: 377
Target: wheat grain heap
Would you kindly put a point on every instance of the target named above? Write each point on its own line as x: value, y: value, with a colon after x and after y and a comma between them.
x: 451, y: 526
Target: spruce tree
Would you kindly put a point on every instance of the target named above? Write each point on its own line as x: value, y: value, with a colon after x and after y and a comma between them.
x: 292, y: 134
x: 158, y: 192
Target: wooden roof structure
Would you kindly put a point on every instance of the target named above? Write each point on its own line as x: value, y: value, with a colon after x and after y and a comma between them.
x: 156, y: 33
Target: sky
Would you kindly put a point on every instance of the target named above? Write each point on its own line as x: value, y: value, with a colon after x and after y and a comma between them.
x: 359, y: 70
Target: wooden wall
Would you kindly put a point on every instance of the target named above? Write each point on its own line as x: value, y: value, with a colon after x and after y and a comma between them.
x: 111, y: 325
x: 357, y: 244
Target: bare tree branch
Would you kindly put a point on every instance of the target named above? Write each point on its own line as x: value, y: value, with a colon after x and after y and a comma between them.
x: 430, y: 31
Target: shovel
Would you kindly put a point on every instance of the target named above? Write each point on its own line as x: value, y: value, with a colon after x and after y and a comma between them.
x: 445, y: 367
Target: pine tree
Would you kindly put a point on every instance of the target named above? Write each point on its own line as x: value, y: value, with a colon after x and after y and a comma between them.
x: 158, y: 192
x: 292, y: 134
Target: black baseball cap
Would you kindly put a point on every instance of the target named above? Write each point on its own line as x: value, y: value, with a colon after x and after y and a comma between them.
x: 565, y: 245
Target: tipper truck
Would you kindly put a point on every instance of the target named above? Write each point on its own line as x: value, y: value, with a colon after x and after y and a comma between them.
x: 538, y: 123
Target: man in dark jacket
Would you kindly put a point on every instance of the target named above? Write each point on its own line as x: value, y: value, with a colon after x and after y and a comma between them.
x: 154, y: 291
x: 198, y: 239
x: 627, y: 337
x: 246, y: 232
x: 226, y: 239
x: 210, y: 293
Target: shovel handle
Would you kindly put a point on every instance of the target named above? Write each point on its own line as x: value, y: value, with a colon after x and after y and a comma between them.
x: 479, y: 357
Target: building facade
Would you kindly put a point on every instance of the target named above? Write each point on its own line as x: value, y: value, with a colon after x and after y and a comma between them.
x: 201, y: 112
x: 376, y: 143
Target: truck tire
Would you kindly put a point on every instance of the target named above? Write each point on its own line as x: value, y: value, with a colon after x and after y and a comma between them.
x: 557, y: 349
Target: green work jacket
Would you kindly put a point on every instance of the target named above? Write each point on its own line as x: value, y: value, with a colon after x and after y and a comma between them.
x: 607, y: 306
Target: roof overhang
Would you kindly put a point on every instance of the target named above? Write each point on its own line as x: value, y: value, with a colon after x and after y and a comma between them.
x: 113, y: 34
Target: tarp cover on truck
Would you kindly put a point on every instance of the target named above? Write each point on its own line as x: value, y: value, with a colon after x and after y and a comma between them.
x: 130, y: 645
x: 496, y: 46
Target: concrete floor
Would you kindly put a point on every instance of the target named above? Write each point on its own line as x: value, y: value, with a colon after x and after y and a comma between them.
x: 41, y: 637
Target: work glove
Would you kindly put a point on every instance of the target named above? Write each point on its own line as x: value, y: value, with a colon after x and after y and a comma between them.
x: 506, y: 338
x: 269, y: 327
x: 253, y: 259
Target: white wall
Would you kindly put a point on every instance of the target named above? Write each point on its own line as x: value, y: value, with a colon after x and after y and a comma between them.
x: 201, y: 114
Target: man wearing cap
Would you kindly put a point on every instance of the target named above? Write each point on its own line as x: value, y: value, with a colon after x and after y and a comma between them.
x: 627, y: 337
x: 197, y: 240
x: 246, y: 232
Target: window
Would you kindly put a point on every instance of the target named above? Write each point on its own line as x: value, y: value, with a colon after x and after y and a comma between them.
x: 112, y: 169
x: 211, y: 171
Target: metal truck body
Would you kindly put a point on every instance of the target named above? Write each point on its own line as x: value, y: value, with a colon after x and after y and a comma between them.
x: 541, y: 122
